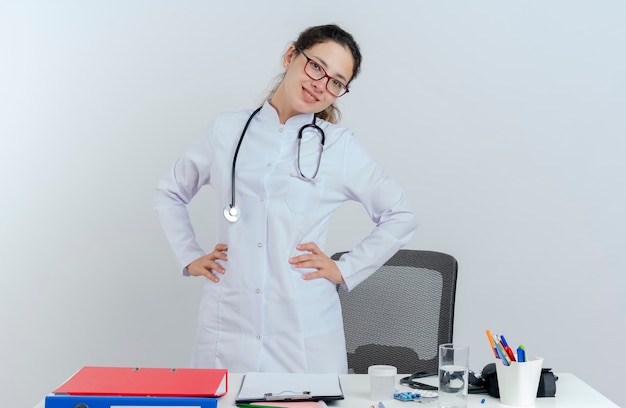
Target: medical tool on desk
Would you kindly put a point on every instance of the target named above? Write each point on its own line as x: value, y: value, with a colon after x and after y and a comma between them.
x: 232, y: 213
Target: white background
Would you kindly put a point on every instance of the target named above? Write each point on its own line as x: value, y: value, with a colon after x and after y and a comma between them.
x: 504, y: 120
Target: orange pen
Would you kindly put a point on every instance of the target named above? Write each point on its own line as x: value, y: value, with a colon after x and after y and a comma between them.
x: 491, y: 343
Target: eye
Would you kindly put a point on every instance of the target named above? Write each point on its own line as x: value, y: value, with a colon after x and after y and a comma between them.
x: 316, y: 66
x: 337, y: 86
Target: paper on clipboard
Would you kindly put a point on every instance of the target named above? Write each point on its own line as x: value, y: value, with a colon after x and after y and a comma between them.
x: 289, y: 387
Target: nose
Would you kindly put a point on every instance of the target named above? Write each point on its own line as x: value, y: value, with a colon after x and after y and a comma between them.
x: 320, y: 84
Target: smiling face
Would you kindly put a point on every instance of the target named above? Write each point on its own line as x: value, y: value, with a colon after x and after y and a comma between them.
x: 298, y: 93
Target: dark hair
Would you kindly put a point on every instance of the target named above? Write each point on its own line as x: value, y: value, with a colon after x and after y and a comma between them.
x: 321, y: 34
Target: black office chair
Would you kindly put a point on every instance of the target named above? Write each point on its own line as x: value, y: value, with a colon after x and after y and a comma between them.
x: 401, y: 313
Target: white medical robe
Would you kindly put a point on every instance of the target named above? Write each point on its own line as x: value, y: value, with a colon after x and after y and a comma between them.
x: 261, y: 315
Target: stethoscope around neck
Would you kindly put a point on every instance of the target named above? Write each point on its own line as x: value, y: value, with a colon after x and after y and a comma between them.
x: 232, y: 213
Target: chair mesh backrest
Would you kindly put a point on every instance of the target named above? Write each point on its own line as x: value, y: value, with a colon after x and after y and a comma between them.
x: 401, y: 313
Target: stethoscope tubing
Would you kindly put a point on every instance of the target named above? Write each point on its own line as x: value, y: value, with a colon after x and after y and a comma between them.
x: 317, y: 168
x: 231, y: 212
x: 232, y: 174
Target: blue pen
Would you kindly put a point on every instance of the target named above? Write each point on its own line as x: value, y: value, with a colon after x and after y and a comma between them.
x: 381, y: 405
x: 502, y: 354
x: 506, y: 347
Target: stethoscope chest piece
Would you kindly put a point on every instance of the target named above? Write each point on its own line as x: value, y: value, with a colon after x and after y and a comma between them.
x: 232, y: 213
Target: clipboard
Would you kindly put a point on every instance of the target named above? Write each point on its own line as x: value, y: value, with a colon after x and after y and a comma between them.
x: 263, y: 387
x: 154, y: 382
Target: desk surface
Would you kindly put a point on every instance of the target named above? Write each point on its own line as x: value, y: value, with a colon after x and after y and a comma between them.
x: 571, y: 392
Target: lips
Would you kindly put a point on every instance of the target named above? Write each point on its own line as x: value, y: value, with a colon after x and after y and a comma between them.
x: 309, y: 96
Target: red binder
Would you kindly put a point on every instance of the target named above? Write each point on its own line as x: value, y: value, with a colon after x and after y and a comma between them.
x: 157, y: 382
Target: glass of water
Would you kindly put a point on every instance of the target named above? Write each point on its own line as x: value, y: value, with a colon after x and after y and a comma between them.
x: 453, y: 375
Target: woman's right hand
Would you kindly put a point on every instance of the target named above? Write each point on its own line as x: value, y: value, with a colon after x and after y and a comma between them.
x: 207, y: 266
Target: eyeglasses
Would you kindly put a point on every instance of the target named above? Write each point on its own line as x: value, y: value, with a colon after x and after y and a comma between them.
x: 316, y: 72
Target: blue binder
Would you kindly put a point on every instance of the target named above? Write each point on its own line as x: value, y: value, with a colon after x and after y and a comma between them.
x: 91, y: 401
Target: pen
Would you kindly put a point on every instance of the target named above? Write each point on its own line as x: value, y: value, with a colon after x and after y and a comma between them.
x: 521, y: 354
x: 380, y: 404
x: 501, y: 352
x: 493, y: 346
x: 256, y: 406
x: 502, y: 356
x: 507, y: 348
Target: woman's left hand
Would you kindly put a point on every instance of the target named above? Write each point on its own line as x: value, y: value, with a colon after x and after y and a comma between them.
x: 316, y: 259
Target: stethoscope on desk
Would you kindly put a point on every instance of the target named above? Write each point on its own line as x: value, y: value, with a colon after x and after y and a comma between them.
x: 475, y: 385
x: 231, y: 212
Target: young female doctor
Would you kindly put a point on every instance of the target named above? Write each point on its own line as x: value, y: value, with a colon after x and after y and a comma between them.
x: 270, y: 302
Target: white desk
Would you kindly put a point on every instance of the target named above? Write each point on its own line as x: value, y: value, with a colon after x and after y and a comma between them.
x: 571, y: 392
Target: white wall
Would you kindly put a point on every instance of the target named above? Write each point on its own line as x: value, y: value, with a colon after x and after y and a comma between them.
x: 505, y: 121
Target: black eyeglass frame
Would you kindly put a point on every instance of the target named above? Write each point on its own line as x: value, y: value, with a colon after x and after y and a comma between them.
x: 308, y: 61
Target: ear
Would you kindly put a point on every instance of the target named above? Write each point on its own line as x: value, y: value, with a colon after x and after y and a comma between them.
x: 289, y: 56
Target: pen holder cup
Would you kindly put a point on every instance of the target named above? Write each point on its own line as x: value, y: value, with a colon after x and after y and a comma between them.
x: 382, y: 382
x: 518, y: 382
